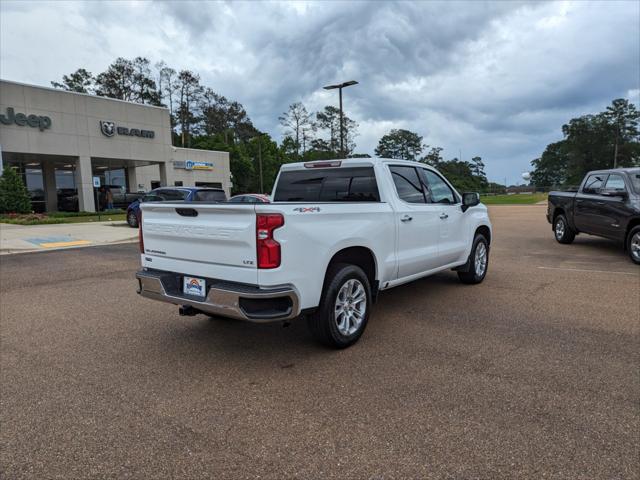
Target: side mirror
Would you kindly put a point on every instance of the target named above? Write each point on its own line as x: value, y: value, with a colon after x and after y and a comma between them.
x: 470, y: 199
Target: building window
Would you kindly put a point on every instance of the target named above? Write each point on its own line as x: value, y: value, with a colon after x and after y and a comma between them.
x: 209, y: 184
x: 177, y: 183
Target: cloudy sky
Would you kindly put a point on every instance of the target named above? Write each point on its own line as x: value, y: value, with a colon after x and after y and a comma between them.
x: 495, y: 79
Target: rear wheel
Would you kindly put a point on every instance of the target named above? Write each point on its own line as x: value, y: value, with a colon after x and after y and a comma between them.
x: 478, y: 261
x: 132, y: 219
x: 562, y: 231
x: 344, y: 309
x: 633, y: 244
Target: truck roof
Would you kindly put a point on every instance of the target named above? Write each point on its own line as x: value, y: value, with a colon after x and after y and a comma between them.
x: 350, y: 162
x: 617, y: 170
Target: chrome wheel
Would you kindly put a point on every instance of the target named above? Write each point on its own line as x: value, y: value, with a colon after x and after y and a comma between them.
x: 350, y: 307
x: 635, y: 246
x: 560, y: 228
x: 480, y: 260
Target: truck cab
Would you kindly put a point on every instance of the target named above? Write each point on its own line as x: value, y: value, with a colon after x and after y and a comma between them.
x: 335, y: 234
x: 607, y: 204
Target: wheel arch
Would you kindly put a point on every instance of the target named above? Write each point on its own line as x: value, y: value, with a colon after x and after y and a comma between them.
x: 360, y: 256
x: 485, y: 231
x: 634, y: 222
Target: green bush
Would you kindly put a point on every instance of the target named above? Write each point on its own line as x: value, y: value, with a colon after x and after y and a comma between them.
x: 84, y: 214
x: 14, y: 197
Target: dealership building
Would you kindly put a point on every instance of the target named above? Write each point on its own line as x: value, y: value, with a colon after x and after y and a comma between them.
x: 65, y: 144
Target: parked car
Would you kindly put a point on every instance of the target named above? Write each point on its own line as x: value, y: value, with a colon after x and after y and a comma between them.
x: 250, y: 198
x: 336, y: 233
x: 174, y: 194
x: 68, y: 198
x: 607, y: 204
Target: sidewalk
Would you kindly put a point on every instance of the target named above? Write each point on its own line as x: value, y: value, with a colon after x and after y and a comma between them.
x: 35, y: 238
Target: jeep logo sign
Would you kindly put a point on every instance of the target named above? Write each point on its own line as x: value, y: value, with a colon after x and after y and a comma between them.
x: 21, y: 119
x: 109, y: 129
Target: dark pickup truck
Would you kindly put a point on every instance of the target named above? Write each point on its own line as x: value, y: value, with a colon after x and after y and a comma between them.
x: 607, y: 204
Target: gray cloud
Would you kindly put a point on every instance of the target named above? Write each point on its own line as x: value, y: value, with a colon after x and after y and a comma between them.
x: 496, y: 79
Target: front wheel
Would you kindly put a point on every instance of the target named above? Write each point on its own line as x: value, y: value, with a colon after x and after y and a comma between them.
x: 478, y: 262
x: 633, y: 244
x: 562, y: 231
x: 344, y: 309
x: 132, y: 219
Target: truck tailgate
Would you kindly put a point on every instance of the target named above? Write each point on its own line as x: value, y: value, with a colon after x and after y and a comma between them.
x: 212, y: 241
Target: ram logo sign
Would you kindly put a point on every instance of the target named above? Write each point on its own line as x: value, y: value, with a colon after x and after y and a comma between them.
x: 108, y: 128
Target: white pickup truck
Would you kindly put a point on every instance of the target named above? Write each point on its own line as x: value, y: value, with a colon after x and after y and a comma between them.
x: 336, y: 233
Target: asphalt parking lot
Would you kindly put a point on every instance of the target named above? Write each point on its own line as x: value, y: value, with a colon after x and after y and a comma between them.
x: 532, y: 374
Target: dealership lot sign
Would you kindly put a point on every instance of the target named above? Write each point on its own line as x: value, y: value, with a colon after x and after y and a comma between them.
x: 192, y: 165
x: 109, y: 129
x: 42, y: 122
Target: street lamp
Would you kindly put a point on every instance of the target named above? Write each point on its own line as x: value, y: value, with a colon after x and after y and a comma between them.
x: 340, y: 86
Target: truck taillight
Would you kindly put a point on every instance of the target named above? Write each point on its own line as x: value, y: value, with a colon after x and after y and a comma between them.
x: 268, y: 249
x: 140, y: 239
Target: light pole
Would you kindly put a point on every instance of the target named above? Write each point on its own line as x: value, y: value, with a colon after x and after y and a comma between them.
x: 340, y: 86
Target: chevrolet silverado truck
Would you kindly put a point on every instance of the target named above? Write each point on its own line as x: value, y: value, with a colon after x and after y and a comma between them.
x: 336, y: 234
x: 607, y: 204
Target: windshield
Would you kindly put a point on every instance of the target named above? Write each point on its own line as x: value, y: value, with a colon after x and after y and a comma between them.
x: 209, y: 196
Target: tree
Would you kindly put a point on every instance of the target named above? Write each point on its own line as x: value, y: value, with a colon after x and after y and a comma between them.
x: 461, y: 176
x: 329, y: 120
x: 80, y: 81
x: 145, y: 89
x: 219, y: 115
x: 591, y: 142
x: 551, y: 168
x: 14, y: 197
x: 401, y: 144
x: 478, y: 167
x: 117, y: 81
x: 167, y: 87
x: 623, y: 118
x: 434, y: 157
x: 299, y: 124
x: 189, y: 90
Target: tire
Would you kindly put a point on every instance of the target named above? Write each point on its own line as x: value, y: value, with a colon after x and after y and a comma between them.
x: 562, y: 231
x: 343, y: 329
x: 132, y: 219
x: 633, y: 244
x: 478, y: 262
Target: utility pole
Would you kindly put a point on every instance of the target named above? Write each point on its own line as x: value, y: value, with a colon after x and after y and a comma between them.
x: 341, y: 127
x: 260, y: 161
x: 340, y: 86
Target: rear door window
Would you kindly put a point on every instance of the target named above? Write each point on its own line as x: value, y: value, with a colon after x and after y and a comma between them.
x: 356, y: 184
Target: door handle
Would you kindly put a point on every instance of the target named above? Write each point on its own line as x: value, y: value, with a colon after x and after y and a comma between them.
x: 406, y: 218
x: 443, y: 216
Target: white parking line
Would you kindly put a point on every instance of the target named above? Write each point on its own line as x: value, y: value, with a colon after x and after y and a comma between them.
x: 588, y: 270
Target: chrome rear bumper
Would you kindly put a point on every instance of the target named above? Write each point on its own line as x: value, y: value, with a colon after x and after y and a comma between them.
x: 227, y: 299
